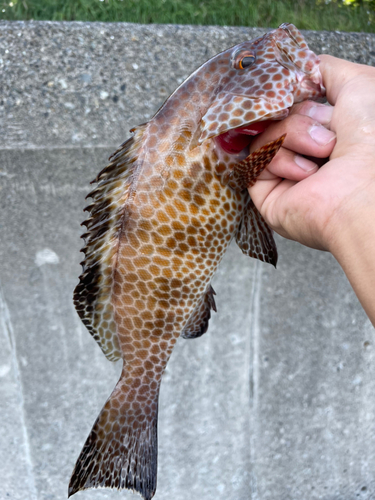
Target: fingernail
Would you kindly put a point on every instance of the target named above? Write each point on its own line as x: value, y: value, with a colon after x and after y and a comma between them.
x: 304, y: 163
x: 321, y: 135
x: 322, y: 114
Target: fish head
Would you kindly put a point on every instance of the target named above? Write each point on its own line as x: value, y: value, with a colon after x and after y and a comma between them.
x: 259, y: 81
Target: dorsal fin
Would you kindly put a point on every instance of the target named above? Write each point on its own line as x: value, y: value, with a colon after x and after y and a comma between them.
x: 92, y: 296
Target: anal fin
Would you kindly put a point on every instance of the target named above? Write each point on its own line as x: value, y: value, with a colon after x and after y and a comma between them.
x: 246, y: 172
x: 254, y: 237
x: 197, y: 324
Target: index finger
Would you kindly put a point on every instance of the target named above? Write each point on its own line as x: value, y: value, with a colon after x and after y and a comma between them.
x: 350, y: 87
x: 337, y: 73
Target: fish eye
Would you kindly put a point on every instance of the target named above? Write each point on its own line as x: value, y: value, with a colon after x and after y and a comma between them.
x: 243, y: 59
x: 246, y: 62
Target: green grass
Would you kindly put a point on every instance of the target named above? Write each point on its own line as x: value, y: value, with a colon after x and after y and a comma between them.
x: 305, y: 14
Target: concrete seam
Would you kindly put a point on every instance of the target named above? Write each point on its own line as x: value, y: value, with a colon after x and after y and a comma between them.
x: 5, y: 319
x: 254, y: 369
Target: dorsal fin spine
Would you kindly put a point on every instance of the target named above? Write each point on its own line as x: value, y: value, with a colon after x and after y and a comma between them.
x: 92, y: 296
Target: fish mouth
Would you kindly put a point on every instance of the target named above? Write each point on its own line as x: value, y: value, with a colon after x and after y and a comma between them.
x: 237, y: 139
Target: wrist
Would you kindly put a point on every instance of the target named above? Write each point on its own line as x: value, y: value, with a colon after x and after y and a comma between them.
x: 352, y: 244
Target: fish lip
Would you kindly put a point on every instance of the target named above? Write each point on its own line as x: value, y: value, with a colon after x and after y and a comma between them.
x: 317, y: 87
x: 312, y: 82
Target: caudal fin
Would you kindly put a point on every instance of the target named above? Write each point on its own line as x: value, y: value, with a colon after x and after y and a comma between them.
x: 121, y: 450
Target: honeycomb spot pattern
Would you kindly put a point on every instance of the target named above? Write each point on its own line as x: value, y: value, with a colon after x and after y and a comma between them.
x: 162, y: 216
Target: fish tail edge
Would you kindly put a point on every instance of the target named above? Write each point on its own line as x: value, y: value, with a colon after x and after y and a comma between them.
x: 125, y: 457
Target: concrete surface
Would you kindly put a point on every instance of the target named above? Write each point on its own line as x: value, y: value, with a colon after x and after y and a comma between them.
x: 275, y: 402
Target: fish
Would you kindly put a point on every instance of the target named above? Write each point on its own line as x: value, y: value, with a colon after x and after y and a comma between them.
x: 162, y: 215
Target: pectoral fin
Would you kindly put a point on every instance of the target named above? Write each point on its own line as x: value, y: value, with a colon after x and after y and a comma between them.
x: 254, y: 237
x: 245, y: 173
x: 198, y: 321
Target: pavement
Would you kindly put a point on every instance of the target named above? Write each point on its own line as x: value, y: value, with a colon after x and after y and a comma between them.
x: 275, y: 402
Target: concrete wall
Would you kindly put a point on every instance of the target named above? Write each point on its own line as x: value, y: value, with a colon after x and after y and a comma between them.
x: 276, y: 401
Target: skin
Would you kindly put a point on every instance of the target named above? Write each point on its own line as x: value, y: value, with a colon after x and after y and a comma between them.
x: 330, y: 208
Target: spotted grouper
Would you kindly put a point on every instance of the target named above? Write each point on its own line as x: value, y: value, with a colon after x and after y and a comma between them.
x: 162, y: 216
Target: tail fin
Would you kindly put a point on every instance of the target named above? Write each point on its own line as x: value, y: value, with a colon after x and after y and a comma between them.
x: 121, y: 450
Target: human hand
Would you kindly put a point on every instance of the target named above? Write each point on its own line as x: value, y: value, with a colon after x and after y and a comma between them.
x: 333, y: 207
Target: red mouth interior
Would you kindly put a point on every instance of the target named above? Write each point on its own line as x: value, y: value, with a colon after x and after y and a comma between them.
x: 237, y: 139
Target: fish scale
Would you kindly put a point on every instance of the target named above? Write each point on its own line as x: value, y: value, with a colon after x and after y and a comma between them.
x: 163, y: 214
